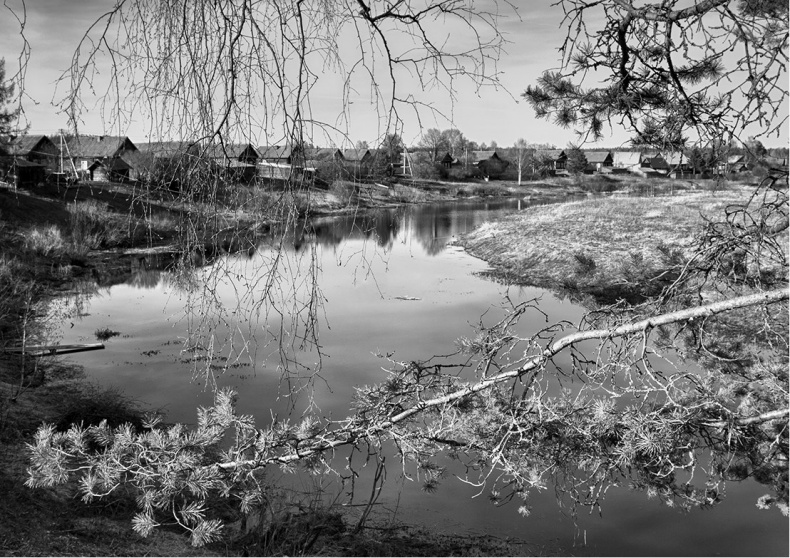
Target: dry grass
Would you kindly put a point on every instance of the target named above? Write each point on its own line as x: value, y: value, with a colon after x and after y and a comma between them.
x: 540, y: 245
x: 44, y: 240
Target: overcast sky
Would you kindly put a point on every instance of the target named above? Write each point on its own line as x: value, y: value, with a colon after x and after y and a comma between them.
x: 53, y: 28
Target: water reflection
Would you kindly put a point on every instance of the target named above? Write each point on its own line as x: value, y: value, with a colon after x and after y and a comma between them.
x: 432, y: 226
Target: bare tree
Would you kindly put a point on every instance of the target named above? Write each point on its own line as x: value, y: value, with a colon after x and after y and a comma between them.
x: 435, y: 141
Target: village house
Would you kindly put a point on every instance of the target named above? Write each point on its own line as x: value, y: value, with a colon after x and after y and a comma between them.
x: 282, y: 154
x: 98, y: 156
x: 627, y: 161
x: 279, y: 163
x: 27, y: 160
x: 449, y: 161
x: 599, y: 161
x: 356, y: 156
x: 238, y: 161
x: 558, y: 158
x: 677, y: 162
x: 36, y: 149
x: 489, y: 163
x: 733, y: 164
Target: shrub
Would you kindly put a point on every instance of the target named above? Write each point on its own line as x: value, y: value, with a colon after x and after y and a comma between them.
x: 45, y: 241
x: 344, y: 190
x: 92, y: 226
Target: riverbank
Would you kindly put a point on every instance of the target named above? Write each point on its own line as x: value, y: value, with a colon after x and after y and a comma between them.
x: 598, y: 248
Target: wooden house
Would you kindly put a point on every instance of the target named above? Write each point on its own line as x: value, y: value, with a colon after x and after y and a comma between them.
x: 236, y: 161
x: 36, y: 149
x: 357, y: 156
x: 110, y: 170
x: 20, y: 172
x: 627, y: 161
x: 169, y: 149
x: 449, y: 161
x: 734, y: 163
x: 677, y: 161
x: 558, y: 158
x: 84, y: 151
x: 224, y: 154
x: 599, y: 161
x: 489, y: 163
x: 283, y: 154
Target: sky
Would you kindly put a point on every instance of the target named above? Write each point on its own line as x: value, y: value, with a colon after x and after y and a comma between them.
x: 53, y: 29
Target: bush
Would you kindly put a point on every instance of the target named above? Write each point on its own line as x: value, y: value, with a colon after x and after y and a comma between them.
x: 599, y: 183
x: 93, y: 226
x: 344, y: 190
x: 45, y: 241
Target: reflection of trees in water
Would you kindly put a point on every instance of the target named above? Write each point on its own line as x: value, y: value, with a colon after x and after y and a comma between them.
x: 431, y: 225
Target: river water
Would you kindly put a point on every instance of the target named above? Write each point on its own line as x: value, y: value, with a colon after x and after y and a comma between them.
x: 387, y: 284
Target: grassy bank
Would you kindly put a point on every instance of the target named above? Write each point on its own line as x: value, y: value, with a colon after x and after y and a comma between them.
x: 596, y: 245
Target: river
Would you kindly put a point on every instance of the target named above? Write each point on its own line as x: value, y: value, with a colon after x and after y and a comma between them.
x: 388, y: 284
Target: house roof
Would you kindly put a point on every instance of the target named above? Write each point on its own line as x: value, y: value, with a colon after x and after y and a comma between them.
x: 97, y: 147
x: 484, y: 155
x: 732, y: 159
x: 228, y: 150
x: 626, y: 158
x: 675, y: 158
x: 553, y: 153
x: 139, y: 160
x: 115, y: 164
x: 658, y: 163
x: 274, y: 152
x: 450, y: 159
x: 24, y: 163
x: 355, y: 154
x: 166, y: 148
x: 594, y: 157
x: 27, y: 144
x: 323, y: 153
